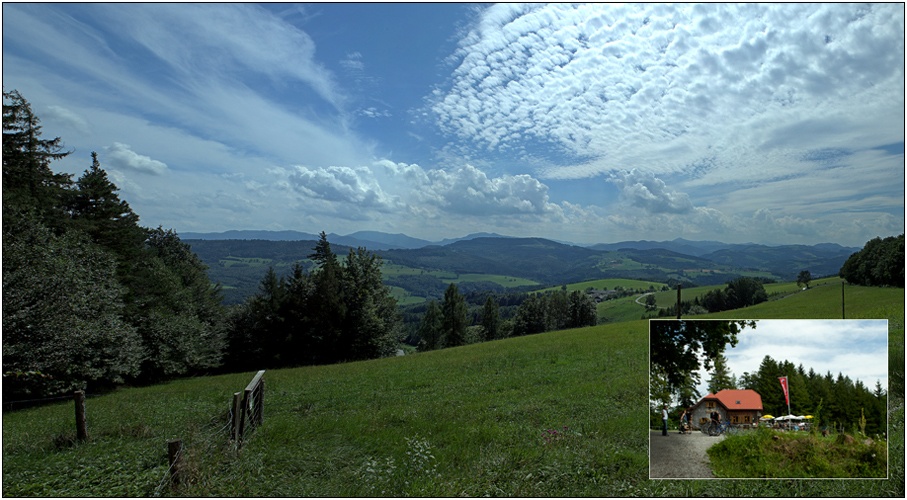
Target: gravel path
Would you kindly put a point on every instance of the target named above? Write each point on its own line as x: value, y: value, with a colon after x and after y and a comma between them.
x: 680, y: 456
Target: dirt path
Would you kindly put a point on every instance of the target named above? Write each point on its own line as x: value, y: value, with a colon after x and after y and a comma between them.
x: 680, y: 456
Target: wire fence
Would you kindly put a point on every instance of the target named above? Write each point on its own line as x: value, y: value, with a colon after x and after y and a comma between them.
x: 169, y: 472
x: 205, y: 425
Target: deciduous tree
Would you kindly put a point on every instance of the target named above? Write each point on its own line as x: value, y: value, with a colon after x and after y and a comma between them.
x: 804, y: 278
x: 675, y: 346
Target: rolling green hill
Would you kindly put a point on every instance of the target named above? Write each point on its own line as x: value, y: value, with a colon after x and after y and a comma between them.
x: 555, y: 414
x: 239, y: 265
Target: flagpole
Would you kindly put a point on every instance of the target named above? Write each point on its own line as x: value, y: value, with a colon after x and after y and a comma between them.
x: 787, y: 381
x: 785, y: 384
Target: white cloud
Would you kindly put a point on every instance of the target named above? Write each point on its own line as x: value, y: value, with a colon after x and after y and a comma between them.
x: 343, y: 185
x: 643, y: 190
x: 625, y: 84
x: 120, y: 156
x: 469, y: 191
x: 854, y: 348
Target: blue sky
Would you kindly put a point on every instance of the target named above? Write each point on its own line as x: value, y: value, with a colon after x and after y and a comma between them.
x: 779, y: 123
x: 854, y: 348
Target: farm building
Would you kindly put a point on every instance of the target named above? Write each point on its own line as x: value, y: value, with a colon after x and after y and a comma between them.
x: 737, y: 406
x: 600, y: 295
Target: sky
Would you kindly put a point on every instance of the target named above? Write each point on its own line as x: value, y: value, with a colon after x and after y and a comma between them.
x: 854, y: 348
x: 773, y: 124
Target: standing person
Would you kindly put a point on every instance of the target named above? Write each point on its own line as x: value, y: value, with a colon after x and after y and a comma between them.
x: 683, y: 422
x: 664, y: 418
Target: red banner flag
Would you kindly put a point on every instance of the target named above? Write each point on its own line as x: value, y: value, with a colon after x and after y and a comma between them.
x: 784, y: 386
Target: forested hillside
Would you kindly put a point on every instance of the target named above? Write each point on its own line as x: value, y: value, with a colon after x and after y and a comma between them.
x: 240, y: 264
x: 90, y: 297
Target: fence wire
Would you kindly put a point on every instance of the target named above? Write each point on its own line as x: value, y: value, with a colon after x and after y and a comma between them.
x: 166, y: 479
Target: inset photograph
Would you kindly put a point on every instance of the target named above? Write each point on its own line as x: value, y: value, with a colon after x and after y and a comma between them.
x: 772, y: 399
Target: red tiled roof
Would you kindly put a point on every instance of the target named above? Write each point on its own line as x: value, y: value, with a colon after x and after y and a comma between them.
x: 749, y: 399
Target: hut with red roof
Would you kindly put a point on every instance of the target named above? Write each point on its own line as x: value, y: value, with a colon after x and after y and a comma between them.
x: 742, y: 407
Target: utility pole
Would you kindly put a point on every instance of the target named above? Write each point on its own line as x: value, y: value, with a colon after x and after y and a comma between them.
x: 678, y: 301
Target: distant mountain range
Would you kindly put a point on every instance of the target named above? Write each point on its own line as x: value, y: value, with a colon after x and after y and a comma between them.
x: 372, y: 240
x: 376, y: 240
x: 238, y: 259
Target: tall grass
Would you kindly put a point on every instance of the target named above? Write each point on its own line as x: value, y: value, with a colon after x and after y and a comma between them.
x: 769, y: 454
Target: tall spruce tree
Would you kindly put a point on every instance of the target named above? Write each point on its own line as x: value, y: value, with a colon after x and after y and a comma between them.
x: 96, y: 208
x: 28, y: 182
x: 454, y: 317
x: 328, y: 304
x: 722, y: 378
x: 372, y: 327
x: 430, y: 328
x: 491, y: 319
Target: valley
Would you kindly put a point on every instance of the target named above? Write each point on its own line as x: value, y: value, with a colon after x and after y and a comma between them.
x: 497, y: 263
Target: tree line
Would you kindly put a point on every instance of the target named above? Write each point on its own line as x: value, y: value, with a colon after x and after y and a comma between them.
x: 449, y: 324
x: 91, y: 297
x: 739, y: 292
x: 832, y: 400
x: 340, y: 311
x: 679, y: 348
x: 879, y: 263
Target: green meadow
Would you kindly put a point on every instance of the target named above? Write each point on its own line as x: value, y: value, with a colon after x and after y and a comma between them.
x: 505, y: 281
x: 560, y: 414
x: 665, y: 299
x: 606, y: 284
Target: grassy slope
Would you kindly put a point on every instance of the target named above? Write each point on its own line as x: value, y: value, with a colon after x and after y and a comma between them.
x: 664, y: 299
x: 465, y: 421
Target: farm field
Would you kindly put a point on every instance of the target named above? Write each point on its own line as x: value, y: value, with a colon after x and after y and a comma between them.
x: 505, y: 281
x: 251, y: 262
x: 404, y: 297
x: 609, y: 284
x: 554, y: 414
x: 388, y: 270
x: 396, y: 269
x: 620, y: 310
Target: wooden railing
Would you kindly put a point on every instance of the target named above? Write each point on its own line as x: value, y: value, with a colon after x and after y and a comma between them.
x: 248, y: 408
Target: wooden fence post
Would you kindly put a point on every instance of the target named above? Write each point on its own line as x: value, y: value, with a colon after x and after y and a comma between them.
x: 81, y: 422
x: 260, y: 403
x: 247, y: 393
x: 250, y: 408
x: 175, y: 454
x: 678, y: 301
x: 237, y: 408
